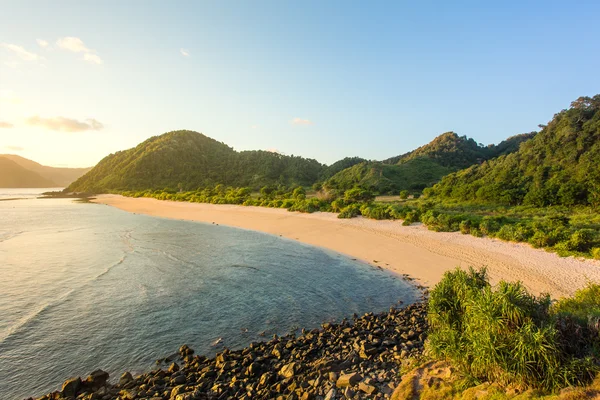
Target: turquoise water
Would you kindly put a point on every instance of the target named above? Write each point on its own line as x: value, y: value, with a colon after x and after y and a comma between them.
x: 86, y: 286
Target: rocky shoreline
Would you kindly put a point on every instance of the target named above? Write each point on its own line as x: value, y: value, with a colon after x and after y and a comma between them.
x: 355, y: 359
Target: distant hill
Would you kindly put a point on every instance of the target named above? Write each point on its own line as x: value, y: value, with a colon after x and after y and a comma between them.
x: 558, y: 166
x: 422, y: 167
x: 340, y: 165
x: 15, y: 176
x: 190, y: 160
x: 62, y: 177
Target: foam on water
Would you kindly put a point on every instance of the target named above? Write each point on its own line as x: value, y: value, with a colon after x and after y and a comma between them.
x: 85, y: 286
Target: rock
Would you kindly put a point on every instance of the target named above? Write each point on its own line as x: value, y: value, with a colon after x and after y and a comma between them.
x: 125, y: 379
x: 289, y: 370
x: 173, y: 368
x: 177, y: 390
x: 350, y: 379
x: 179, y: 380
x: 331, y: 394
x: 367, y: 388
x: 349, y: 393
x: 71, y: 387
x: 96, y: 379
x: 129, y: 394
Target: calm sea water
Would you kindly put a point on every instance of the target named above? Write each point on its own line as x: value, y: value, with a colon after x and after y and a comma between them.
x: 86, y: 286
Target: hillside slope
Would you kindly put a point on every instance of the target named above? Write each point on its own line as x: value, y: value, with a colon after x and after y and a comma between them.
x: 559, y: 166
x: 190, y: 160
x: 12, y: 175
x: 61, y: 176
x: 422, y: 167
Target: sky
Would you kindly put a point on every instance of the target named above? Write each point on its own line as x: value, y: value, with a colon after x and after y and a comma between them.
x: 320, y: 79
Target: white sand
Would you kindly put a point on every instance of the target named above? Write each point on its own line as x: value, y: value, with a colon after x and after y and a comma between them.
x: 412, y: 250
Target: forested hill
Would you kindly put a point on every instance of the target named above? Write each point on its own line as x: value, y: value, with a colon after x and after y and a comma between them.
x: 189, y: 160
x: 559, y: 166
x: 422, y: 167
x: 458, y: 152
x: 12, y: 175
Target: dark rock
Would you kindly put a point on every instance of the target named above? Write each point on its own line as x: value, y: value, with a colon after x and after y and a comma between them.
x: 96, y: 379
x: 71, y: 387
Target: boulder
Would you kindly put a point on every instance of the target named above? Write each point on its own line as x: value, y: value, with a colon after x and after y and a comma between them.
x: 71, y: 387
x: 125, y: 378
x: 350, y: 379
x: 96, y: 379
x: 289, y: 370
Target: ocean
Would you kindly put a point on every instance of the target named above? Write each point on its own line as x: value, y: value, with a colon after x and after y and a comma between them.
x: 86, y: 286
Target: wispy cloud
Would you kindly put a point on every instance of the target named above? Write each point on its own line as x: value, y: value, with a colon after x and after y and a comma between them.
x: 254, y: 127
x: 42, y: 43
x: 73, y: 44
x: 76, y: 45
x: 20, y: 52
x: 92, y: 58
x: 14, y: 148
x: 65, y: 124
x: 273, y: 150
x: 6, y: 125
x: 301, y: 121
x: 184, y: 52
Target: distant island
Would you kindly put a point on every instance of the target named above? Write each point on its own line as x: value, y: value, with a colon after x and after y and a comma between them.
x: 19, y: 172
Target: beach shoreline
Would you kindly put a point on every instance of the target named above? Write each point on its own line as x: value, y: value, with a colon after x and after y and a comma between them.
x: 405, y: 250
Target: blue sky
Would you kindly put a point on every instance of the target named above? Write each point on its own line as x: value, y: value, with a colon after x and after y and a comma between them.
x: 325, y: 80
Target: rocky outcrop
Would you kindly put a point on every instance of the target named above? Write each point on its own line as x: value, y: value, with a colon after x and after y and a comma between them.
x: 355, y: 359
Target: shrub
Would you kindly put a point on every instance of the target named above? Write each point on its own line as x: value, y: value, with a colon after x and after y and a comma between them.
x: 411, y: 216
x: 465, y: 227
x: 507, y: 335
x: 350, y: 211
x: 404, y: 194
x: 596, y: 253
x: 476, y: 232
x: 375, y: 211
x: 489, y: 225
x: 581, y: 239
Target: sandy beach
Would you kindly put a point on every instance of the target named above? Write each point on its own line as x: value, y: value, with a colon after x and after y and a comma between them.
x: 412, y: 250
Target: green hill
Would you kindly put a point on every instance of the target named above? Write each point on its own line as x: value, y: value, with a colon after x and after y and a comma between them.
x: 422, y: 167
x: 381, y: 178
x: 190, y: 160
x: 61, y: 176
x: 559, y: 166
x: 12, y: 175
x: 340, y: 165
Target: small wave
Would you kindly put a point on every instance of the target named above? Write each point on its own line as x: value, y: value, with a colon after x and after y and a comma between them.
x: 244, y: 266
x: 23, y: 322
x: 107, y: 270
x: 29, y: 318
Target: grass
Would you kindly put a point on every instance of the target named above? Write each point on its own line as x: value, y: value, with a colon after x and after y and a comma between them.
x: 507, y: 336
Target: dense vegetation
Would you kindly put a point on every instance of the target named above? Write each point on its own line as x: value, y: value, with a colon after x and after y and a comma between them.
x: 338, y: 166
x: 15, y: 176
x: 422, y: 167
x: 189, y: 160
x: 414, y: 176
x: 508, y: 336
x: 559, y: 166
